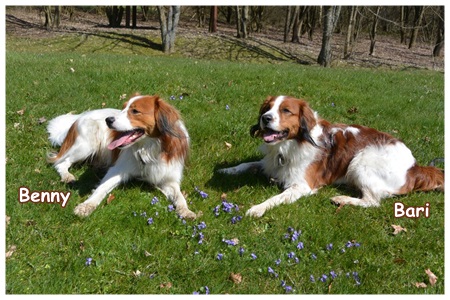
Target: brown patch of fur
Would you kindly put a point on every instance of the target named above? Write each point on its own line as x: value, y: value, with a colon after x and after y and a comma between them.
x: 423, y: 178
x: 71, y: 136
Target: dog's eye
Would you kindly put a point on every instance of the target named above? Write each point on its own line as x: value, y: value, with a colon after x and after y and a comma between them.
x: 135, y: 111
x: 286, y: 111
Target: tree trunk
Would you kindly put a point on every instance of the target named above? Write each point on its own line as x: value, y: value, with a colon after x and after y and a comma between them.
x: 213, y: 19
x: 114, y: 14
x: 241, y: 21
x: 437, y: 51
x: 348, y: 46
x: 418, y: 14
x: 373, y: 31
x: 52, y: 19
x: 287, y: 23
x: 330, y: 19
x: 168, y: 19
x: 295, y: 25
x: 313, y: 21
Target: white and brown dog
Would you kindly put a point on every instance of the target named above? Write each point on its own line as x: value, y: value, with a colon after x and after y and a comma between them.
x: 303, y: 153
x: 147, y: 140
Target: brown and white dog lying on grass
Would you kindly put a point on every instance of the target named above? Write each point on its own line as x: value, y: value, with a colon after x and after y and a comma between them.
x: 147, y: 140
x: 303, y: 153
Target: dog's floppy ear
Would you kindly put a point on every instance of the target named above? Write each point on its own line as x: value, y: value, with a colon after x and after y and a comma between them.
x: 307, y: 122
x: 166, y: 116
x: 255, y: 129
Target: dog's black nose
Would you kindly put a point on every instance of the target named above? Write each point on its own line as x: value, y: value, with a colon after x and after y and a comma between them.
x: 266, y: 119
x: 109, y: 121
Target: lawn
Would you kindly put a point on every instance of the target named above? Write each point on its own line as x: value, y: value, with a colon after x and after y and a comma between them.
x: 308, y: 247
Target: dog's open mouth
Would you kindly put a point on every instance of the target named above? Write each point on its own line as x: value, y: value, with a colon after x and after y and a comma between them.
x: 126, y: 138
x: 271, y: 136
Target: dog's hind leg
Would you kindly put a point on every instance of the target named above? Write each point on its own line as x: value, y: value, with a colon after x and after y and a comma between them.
x: 367, y: 200
x: 173, y: 193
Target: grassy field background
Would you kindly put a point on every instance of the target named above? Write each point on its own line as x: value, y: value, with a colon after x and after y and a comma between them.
x: 115, y: 250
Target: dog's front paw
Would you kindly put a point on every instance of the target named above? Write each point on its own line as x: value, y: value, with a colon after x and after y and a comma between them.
x: 185, y: 213
x: 84, y: 209
x: 68, y: 178
x: 256, y: 211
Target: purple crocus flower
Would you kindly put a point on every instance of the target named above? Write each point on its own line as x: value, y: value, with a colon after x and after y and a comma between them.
x: 170, y: 207
x: 88, y: 261
x: 253, y: 255
x: 278, y: 262
x: 312, y: 279
x: 323, y: 278
x: 329, y: 247
x: 150, y: 221
x: 154, y: 200
x: 288, y: 289
x: 333, y: 274
x: 229, y: 242
x: 313, y: 256
x: 300, y: 246
x: 241, y: 251
x: 291, y: 255
x: 219, y: 256
x: 271, y: 271
x: 201, y: 226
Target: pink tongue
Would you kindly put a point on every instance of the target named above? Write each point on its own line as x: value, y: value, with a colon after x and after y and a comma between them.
x: 120, y: 141
x: 270, y: 137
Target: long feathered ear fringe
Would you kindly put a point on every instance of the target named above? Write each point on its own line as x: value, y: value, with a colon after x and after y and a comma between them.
x: 307, y: 122
x: 166, y: 117
x: 175, y: 144
x: 255, y: 130
x: 305, y: 132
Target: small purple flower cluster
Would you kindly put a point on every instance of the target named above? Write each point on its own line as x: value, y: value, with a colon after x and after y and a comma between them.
x: 200, y: 234
x: 292, y: 234
x: 88, y: 261
x: 228, y: 208
x: 154, y: 200
x: 272, y: 272
x: 201, y: 193
x: 230, y: 242
x: 173, y: 97
x: 287, y: 288
x: 204, y: 289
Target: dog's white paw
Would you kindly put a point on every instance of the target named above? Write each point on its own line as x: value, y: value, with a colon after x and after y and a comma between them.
x: 84, y: 209
x: 185, y: 213
x: 256, y: 211
x: 68, y: 178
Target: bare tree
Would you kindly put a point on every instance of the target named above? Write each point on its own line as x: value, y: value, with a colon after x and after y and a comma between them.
x: 437, y: 50
x: 418, y: 15
x: 330, y: 19
x: 114, y: 14
x: 373, y: 31
x: 348, y: 46
x: 168, y: 19
x: 213, y: 19
x: 52, y: 19
x: 242, y: 18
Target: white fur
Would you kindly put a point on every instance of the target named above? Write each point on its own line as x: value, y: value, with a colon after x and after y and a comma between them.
x: 142, y: 160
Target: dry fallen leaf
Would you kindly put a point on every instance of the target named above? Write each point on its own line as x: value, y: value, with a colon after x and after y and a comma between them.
x: 235, y: 241
x: 137, y: 273
x: 236, y: 278
x: 8, y: 219
x: 146, y: 253
x: 16, y: 125
x: 420, y: 285
x: 42, y: 120
x: 11, y: 250
x: 223, y: 197
x: 228, y: 145
x: 431, y: 277
x: 398, y: 229
x: 21, y: 112
x: 166, y: 285
x: 103, y: 104
x: 81, y: 245
x: 111, y: 197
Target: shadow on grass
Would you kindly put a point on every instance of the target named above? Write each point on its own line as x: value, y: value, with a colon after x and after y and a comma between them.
x: 226, y: 183
x: 117, y: 37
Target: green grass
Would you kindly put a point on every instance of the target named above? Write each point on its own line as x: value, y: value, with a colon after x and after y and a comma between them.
x: 53, y: 244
